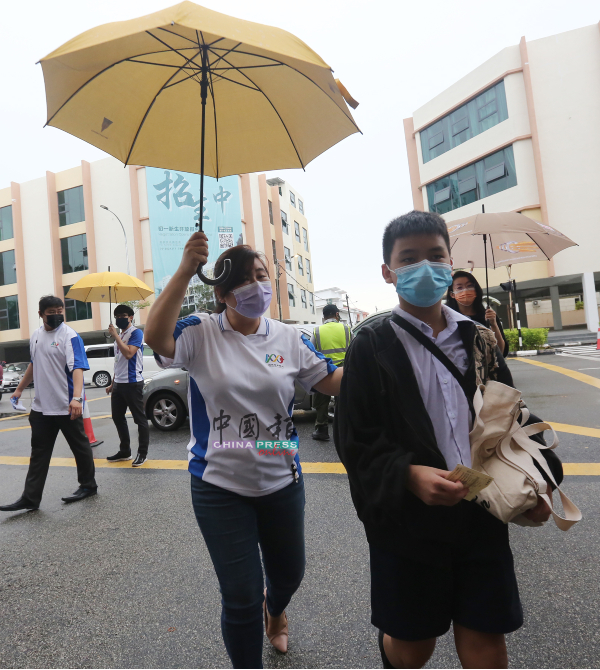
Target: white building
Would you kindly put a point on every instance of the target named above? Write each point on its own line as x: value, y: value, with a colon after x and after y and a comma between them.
x: 520, y: 133
x: 337, y: 296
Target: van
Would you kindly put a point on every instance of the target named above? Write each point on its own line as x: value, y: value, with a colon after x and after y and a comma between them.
x: 101, y: 359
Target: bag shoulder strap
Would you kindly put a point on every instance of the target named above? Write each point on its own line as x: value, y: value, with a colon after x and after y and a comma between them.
x: 437, y: 352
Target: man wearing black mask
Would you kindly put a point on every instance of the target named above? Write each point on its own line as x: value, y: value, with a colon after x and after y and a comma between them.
x: 57, y: 363
x: 127, y: 386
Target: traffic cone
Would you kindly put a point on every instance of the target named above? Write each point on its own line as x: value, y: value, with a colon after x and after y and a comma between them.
x: 87, y: 425
x: 598, y: 341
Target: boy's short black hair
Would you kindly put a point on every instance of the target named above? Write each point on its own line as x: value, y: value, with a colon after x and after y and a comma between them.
x: 123, y: 309
x: 413, y: 223
x: 47, y: 301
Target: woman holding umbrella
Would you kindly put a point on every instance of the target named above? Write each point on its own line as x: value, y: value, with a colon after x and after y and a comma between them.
x: 246, y: 478
x: 466, y: 297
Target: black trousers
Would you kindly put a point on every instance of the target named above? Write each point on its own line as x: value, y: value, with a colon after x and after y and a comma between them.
x: 130, y: 396
x: 44, y: 431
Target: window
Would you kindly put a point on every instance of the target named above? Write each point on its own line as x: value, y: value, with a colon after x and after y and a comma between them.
x: 280, y: 191
x: 297, y: 231
x: 284, y: 223
x: 308, y: 273
x: 292, y: 199
x: 490, y: 175
x: 291, y: 296
x: 274, y: 251
x: 70, y: 206
x: 288, y: 258
x: 6, y: 223
x: 8, y: 269
x: 300, y: 266
x: 103, y: 352
x: 476, y: 116
x: 330, y: 301
x: 271, y: 213
x: 311, y: 303
x: 74, y: 253
x: 300, y: 206
x: 9, y: 313
x: 75, y: 310
x: 305, y: 237
x: 303, y: 298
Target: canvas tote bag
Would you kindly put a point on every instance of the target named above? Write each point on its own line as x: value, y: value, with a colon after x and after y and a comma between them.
x: 501, y: 447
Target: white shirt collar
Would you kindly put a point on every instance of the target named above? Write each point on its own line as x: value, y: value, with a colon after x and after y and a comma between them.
x: 452, y: 319
x: 223, y: 321
x: 330, y: 320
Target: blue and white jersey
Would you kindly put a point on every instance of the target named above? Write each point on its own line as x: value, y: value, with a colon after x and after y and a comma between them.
x: 128, y: 371
x: 241, y: 392
x: 55, y: 354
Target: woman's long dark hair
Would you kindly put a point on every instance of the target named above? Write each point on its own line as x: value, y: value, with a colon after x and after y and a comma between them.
x: 242, y: 259
x: 477, y: 303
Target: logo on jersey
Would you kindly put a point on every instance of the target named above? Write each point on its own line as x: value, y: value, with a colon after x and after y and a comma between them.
x: 274, y: 360
x: 54, y: 344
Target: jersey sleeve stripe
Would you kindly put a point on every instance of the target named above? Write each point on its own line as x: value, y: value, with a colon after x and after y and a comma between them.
x: 80, y: 361
x: 330, y: 366
x: 181, y: 325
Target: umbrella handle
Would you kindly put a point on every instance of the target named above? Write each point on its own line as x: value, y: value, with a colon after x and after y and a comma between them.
x: 217, y: 280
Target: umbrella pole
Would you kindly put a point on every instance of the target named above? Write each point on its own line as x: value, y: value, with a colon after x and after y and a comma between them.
x: 204, y: 95
x: 487, y: 285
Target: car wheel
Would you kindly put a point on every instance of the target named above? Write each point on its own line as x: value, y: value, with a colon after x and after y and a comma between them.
x: 167, y: 412
x: 101, y: 379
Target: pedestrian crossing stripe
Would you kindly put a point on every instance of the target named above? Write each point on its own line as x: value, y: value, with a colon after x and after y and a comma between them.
x: 584, y: 352
x: 585, y: 469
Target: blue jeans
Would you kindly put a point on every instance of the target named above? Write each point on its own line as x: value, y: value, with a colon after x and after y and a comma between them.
x: 234, y: 527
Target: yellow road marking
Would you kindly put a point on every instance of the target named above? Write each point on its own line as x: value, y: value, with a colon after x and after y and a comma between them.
x: 308, y: 468
x: 579, y: 376
x: 575, y: 430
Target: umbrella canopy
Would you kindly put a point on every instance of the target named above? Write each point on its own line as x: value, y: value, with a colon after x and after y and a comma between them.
x: 509, y: 238
x: 109, y: 287
x: 134, y: 89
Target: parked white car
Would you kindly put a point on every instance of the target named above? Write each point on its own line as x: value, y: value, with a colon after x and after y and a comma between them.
x: 101, y: 358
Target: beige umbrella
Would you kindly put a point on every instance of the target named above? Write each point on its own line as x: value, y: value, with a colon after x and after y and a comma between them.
x: 503, y: 238
x: 506, y: 238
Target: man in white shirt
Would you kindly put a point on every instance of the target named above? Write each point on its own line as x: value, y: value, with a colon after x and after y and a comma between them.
x: 57, y: 363
x: 128, y: 385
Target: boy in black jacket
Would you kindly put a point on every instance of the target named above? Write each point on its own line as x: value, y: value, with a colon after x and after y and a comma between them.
x: 401, y: 425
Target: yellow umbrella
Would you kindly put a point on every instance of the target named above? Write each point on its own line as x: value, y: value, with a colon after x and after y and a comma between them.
x: 139, y: 89
x: 109, y: 287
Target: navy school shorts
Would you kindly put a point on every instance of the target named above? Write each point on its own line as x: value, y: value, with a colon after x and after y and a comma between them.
x: 416, y: 594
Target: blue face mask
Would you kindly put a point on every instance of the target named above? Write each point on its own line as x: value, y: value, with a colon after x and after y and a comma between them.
x: 423, y: 284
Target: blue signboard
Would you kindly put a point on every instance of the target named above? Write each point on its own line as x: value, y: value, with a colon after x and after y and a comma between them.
x: 174, y: 208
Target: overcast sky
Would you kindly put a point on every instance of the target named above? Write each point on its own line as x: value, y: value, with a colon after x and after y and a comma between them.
x: 392, y: 56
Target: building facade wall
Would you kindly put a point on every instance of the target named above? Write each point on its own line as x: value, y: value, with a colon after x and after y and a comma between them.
x: 38, y: 236
x: 553, y: 99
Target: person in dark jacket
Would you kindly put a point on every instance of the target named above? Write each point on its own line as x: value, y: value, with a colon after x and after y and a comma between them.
x: 402, y: 424
x: 466, y: 296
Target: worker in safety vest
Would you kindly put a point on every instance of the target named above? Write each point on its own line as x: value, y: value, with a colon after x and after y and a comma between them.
x: 332, y: 340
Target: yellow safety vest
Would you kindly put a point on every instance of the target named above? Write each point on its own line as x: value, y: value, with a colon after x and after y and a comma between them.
x: 332, y: 340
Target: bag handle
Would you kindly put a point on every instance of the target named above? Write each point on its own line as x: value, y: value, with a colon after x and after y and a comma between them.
x: 438, y: 353
x: 572, y: 513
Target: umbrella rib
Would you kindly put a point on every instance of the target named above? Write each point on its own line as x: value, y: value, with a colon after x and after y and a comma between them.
x: 538, y: 246
x: 492, y: 250
x: 160, y: 90
x: 274, y: 108
x: 344, y: 111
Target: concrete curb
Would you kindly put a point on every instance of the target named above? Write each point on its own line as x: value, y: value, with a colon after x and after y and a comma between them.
x: 532, y: 352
